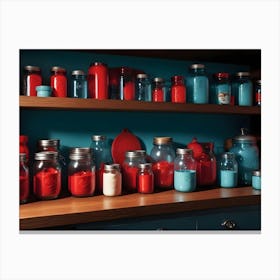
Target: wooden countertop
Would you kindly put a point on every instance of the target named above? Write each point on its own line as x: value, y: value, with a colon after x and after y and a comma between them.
x: 71, y: 210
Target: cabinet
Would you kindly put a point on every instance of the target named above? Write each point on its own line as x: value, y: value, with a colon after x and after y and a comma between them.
x: 75, y: 120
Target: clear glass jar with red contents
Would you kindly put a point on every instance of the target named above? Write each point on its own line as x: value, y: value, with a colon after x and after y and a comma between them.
x: 23, y: 146
x: 23, y: 179
x: 163, y: 156
x: 178, y: 89
x: 98, y: 81
x: 81, y: 173
x: 31, y: 79
x: 127, y: 84
x: 145, y: 178
x: 46, y: 175
x: 58, y: 81
x: 158, y: 90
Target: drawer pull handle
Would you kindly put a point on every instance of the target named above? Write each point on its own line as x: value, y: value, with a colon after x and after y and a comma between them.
x: 228, y: 224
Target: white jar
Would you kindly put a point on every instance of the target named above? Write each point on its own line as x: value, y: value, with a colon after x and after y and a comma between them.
x: 112, y: 180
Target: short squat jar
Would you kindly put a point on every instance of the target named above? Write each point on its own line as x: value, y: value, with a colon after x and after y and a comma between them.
x: 112, y: 180
x: 145, y: 178
x: 228, y: 170
x: 222, y: 88
x: 184, y: 171
x: 243, y: 89
x: 46, y: 175
x: 143, y: 90
x: 256, y: 179
x: 23, y: 179
x: 78, y: 84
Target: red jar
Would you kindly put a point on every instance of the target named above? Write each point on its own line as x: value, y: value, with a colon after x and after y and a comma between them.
x: 158, y: 90
x: 145, y: 178
x: 23, y: 179
x: 178, y: 89
x: 32, y: 78
x: 23, y: 146
x: 98, y: 81
x: 59, y: 81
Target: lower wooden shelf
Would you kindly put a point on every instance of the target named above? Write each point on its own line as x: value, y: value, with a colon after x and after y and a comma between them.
x: 71, y: 210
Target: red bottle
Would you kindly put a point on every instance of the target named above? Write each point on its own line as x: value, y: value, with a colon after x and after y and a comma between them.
x: 178, y: 89
x: 98, y: 81
x: 58, y: 82
x: 158, y: 90
x: 145, y: 178
x: 23, y: 179
x: 32, y: 79
x: 23, y: 146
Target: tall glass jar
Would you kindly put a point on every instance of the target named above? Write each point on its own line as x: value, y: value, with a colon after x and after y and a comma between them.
x: 184, y: 171
x: 81, y: 173
x: 127, y: 84
x: 222, y: 88
x: 228, y: 170
x: 198, y: 85
x: 31, y: 79
x: 23, y: 179
x: 178, y: 89
x: 78, y: 84
x: 143, y: 88
x: 163, y: 155
x: 112, y: 180
x: 158, y: 90
x: 145, y: 178
x: 258, y: 93
x: 46, y: 175
x: 58, y: 81
x: 23, y: 146
x: 243, y: 89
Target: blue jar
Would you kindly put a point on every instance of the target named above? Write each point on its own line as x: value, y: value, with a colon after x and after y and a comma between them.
x: 198, y: 84
x: 247, y: 156
x: 44, y: 91
x: 184, y: 171
x: 228, y: 170
x: 79, y: 84
x: 143, y: 90
x: 256, y: 179
x: 243, y: 89
x: 222, y: 88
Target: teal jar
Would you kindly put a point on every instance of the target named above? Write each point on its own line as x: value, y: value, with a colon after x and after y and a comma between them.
x: 44, y: 91
x: 198, y: 85
x: 243, y: 89
x: 256, y: 179
x: 228, y: 170
x: 247, y: 156
x: 143, y: 91
x: 79, y: 84
x: 222, y: 88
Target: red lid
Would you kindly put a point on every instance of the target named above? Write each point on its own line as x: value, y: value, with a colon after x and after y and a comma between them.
x: 222, y: 75
x: 23, y: 139
x: 124, y: 142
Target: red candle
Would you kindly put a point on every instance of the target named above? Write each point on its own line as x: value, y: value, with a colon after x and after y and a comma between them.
x: 145, y: 183
x: 129, y: 90
x: 82, y: 183
x: 23, y: 187
x: 158, y: 95
x: 164, y: 174
x: 178, y: 94
x: 130, y: 178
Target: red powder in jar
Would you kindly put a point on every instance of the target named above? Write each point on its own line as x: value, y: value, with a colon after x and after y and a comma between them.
x: 158, y: 95
x: 178, y: 94
x: 33, y: 80
x: 82, y: 183
x: 130, y: 178
x: 23, y: 188
x: 164, y: 174
x: 129, y: 91
x: 145, y: 183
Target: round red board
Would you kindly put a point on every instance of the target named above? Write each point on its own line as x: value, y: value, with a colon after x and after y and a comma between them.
x: 125, y: 141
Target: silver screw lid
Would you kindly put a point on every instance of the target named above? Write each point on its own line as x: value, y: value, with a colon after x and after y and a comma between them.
x: 141, y: 76
x: 32, y: 68
x: 162, y: 140
x: 183, y: 151
x: 78, y: 150
x: 197, y: 66
x: 111, y: 167
x: 131, y: 154
x: 58, y: 68
x: 242, y: 74
x: 256, y: 173
x: 98, y: 137
x: 145, y: 165
x: 78, y: 73
x: 48, y: 142
x: 46, y: 156
x: 158, y: 80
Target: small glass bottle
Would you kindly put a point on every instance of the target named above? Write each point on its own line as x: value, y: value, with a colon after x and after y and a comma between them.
x: 158, y: 90
x: 127, y: 84
x: 31, y: 79
x: 228, y: 170
x: 256, y: 179
x: 58, y: 81
x: 23, y: 146
x: 112, y: 180
x: 198, y: 85
x: 258, y: 93
x: 184, y: 171
x: 178, y: 89
x: 222, y: 88
x: 163, y: 155
x: 243, y: 89
x: 81, y: 173
x: 143, y: 88
x: 78, y: 84
x: 46, y: 175
x: 145, y: 178
x: 23, y: 179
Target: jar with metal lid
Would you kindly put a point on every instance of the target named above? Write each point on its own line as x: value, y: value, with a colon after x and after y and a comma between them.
x: 256, y: 179
x: 23, y: 146
x: 184, y: 171
x: 51, y: 145
x: 228, y: 170
x: 158, y: 90
x: 81, y: 172
x: 163, y: 155
x: 178, y: 89
x: 78, y: 84
x: 127, y: 84
x: 31, y: 79
x: 46, y: 175
x: 112, y: 180
x: 59, y: 81
x: 222, y: 88
x: 142, y: 155
x: 98, y: 81
x: 23, y: 179
x: 247, y: 156
x: 198, y: 85
x: 258, y: 93
x: 143, y: 88
x: 145, y: 178
x: 243, y: 89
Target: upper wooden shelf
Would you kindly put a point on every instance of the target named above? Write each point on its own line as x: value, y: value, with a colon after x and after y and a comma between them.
x: 54, y: 103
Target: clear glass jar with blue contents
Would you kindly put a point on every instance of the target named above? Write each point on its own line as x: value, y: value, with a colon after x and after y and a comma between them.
x: 184, y: 171
x: 228, y: 170
x: 256, y: 179
x: 222, y: 88
x: 143, y: 88
x: 79, y: 84
x: 198, y: 84
x: 243, y: 89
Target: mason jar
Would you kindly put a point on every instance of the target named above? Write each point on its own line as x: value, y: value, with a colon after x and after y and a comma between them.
x: 78, y: 84
x: 143, y: 88
x: 112, y: 180
x: 222, y: 88
x: 145, y: 178
x: 31, y: 79
x: 58, y: 81
x: 158, y: 90
x: 23, y: 179
x: 178, y: 89
x: 256, y: 179
x: 243, y: 89
x: 228, y: 170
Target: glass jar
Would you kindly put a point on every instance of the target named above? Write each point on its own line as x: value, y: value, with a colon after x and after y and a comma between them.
x: 112, y: 180
x: 163, y: 155
x: 184, y: 171
x: 23, y: 179
x: 81, y: 173
x: 198, y: 85
x: 158, y: 90
x: 98, y: 81
x: 101, y: 155
x: 228, y: 170
x: 78, y: 84
x: 145, y: 178
x: 46, y: 175
x: 143, y: 88
x: 23, y: 146
x: 247, y: 156
x: 51, y: 145
x: 178, y: 89
x: 31, y: 79
x: 222, y: 88
x: 258, y: 93
x: 58, y: 81
x: 127, y: 84
x: 256, y: 179
x: 142, y: 155
x: 243, y: 89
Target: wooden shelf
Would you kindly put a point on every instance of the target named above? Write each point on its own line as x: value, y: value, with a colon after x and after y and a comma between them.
x: 54, y: 103
x: 71, y: 210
